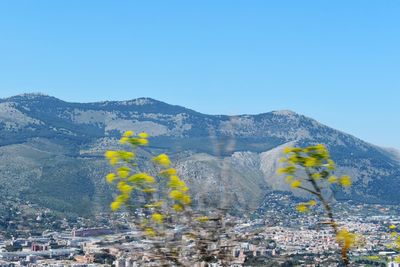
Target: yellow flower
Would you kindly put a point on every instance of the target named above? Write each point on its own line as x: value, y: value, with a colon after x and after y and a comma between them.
x: 126, y: 155
x: 322, y: 151
x: 202, y: 219
x: 397, y: 259
x: 143, y: 141
x: 177, y: 207
x: 176, y: 194
x: 346, y: 238
x: 122, y: 198
x: 331, y: 165
x: 124, y: 187
x: 157, y: 204
x: 175, y: 182
x: 111, y: 154
x: 281, y: 171
x: 149, y: 190
x: 316, y: 176
x: 143, y: 135
x: 157, y: 217
x: 123, y: 140
x: 295, y: 183
x: 110, y: 177
x: 332, y: 179
x: 123, y: 172
x: 288, y: 169
x: 180, y: 196
x: 292, y: 150
x: 186, y: 199
x: 150, y: 232
x: 294, y: 159
x: 302, y: 208
x: 127, y: 189
x: 397, y: 242
x: 312, y: 202
x: 128, y: 133
x: 162, y: 160
x: 168, y: 172
x: 184, y: 188
x: 287, y: 150
x: 141, y: 177
x: 320, y: 147
x: 345, y: 181
x: 113, y: 161
x: 392, y: 226
x: 310, y: 162
x: 325, y: 154
x: 115, y: 205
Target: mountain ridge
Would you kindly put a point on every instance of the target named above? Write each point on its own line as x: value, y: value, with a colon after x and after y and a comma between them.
x: 72, y: 138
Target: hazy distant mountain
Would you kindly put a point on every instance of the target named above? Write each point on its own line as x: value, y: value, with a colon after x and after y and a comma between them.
x: 51, y: 151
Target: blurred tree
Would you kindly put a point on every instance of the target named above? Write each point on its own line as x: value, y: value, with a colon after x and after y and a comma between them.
x: 159, y: 204
x: 311, y: 169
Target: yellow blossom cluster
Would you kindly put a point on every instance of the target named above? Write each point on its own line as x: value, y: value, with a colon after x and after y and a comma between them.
x: 178, y: 191
x: 314, y: 161
x: 346, y: 239
x: 157, y: 217
x: 115, y: 157
x: 305, y: 206
x: 344, y: 181
x: 312, y: 156
x: 139, y: 140
x: 129, y: 180
x: 295, y: 184
x: 126, y: 180
x: 162, y: 160
x: 202, y: 219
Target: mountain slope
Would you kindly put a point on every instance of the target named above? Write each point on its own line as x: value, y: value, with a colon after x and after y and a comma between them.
x: 51, y: 151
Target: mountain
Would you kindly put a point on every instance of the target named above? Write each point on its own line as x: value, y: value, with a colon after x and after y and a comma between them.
x: 51, y: 152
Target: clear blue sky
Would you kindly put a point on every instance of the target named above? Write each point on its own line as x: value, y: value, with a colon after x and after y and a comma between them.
x: 335, y: 61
